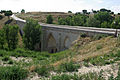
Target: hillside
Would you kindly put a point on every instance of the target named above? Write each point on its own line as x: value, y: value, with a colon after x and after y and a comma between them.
x: 5, y: 20
x: 41, y: 16
x: 88, y: 59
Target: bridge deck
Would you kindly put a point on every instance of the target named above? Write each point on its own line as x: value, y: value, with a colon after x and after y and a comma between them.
x: 78, y: 28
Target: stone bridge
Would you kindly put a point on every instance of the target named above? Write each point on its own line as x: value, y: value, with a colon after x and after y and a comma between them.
x: 60, y: 37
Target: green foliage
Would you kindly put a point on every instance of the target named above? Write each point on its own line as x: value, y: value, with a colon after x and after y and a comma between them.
x: 8, y: 13
x: 84, y: 11
x: 99, y: 36
x: 92, y: 22
x: 11, y: 36
x: 103, y: 16
x: 22, y: 11
x: 105, y: 25
x: 42, y: 71
x: 86, y: 64
x: 98, y: 47
x: 76, y: 20
x: 13, y: 73
x: 32, y: 34
x: 70, y: 67
x: 3, y: 11
x: 49, y: 19
x: 116, y: 23
x: 2, y: 38
x: 69, y: 11
x: 83, y: 35
x: 62, y: 77
x: 89, y: 76
x: 5, y: 58
x: 105, y: 10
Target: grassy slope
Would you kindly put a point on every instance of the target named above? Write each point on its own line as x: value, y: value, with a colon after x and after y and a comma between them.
x: 86, y: 48
x: 5, y: 19
x: 2, y: 21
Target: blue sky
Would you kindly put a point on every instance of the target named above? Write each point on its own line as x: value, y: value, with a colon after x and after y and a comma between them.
x: 59, y: 5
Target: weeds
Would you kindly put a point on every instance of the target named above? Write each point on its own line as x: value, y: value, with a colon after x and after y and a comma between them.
x: 13, y: 73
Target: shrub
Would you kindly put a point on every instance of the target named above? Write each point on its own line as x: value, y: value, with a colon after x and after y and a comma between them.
x: 49, y: 19
x: 86, y: 64
x: 13, y: 73
x: 32, y: 34
x: 70, y: 67
x: 11, y: 36
x: 6, y: 58
x: 42, y: 71
x: 83, y: 35
x: 98, y: 47
x: 99, y: 36
x: 10, y: 62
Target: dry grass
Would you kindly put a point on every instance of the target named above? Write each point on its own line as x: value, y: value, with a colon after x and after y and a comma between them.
x: 41, y: 16
x: 5, y: 19
x: 89, y: 49
x: 2, y: 21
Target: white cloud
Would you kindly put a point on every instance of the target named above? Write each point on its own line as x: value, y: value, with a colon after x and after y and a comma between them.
x: 51, y: 5
x: 115, y: 8
x: 99, y: 1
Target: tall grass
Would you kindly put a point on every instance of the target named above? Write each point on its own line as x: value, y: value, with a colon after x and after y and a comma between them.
x: 13, y: 73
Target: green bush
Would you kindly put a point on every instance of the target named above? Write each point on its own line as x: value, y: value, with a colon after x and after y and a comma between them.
x: 83, y: 35
x: 10, y: 62
x: 49, y: 19
x: 5, y: 58
x: 70, y: 67
x: 13, y: 73
x: 42, y: 71
x: 99, y: 36
x: 62, y: 77
x: 98, y: 47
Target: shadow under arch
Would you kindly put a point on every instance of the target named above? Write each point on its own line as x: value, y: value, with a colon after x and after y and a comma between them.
x: 51, y: 44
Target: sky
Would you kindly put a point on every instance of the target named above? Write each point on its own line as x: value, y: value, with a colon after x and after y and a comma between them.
x: 59, y: 5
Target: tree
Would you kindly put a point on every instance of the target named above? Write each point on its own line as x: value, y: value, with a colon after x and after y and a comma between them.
x: 2, y: 38
x: 22, y: 11
x: 103, y: 10
x: 84, y: 11
x: 118, y: 13
x: 79, y: 20
x: 94, y: 11
x: 32, y: 34
x: 3, y: 11
x: 61, y: 21
x: 92, y: 22
x: 69, y: 11
x: 105, y: 25
x: 103, y: 16
x: 11, y: 36
x: 8, y: 13
x: 112, y: 13
x: 49, y: 19
x: 116, y: 23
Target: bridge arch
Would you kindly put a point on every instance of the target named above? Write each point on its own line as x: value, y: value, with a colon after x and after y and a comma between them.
x: 67, y: 42
x: 51, y: 44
